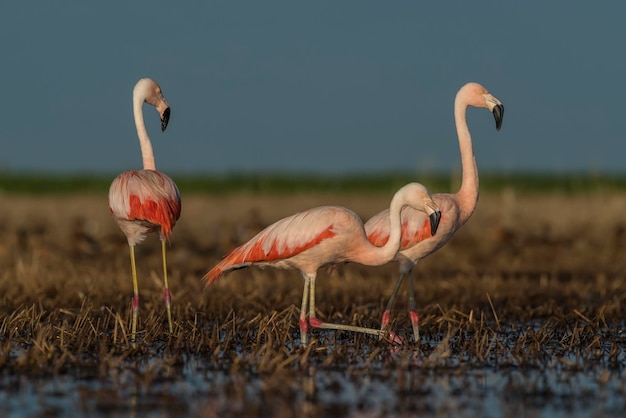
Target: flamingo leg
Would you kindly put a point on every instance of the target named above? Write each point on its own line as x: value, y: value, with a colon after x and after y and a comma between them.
x: 412, y: 314
x: 166, y: 291
x: 316, y: 323
x: 304, y: 326
x: 135, y: 301
x: 312, y: 300
x: 392, y: 300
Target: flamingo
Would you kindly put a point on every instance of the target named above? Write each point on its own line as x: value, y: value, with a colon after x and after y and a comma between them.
x: 456, y: 208
x: 143, y: 201
x: 323, y: 236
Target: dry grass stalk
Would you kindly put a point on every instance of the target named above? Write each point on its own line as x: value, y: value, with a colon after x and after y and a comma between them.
x: 518, y: 286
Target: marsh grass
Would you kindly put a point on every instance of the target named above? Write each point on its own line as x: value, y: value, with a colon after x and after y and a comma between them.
x: 528, y: 299
x: 280, y: 183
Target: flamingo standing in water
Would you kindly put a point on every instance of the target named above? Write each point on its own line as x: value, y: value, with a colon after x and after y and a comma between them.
x: 143, y: 201
x: 322, y: 236
x: 456, y: 208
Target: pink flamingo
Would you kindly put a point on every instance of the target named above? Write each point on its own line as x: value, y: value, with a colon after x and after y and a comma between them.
x: 456, y: 208
x: 143, y: 201
x: 324, y: 236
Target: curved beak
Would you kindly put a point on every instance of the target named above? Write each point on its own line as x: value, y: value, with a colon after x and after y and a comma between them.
x: 434, y: 214
x: 165, y: 118
x: 434, y: 222
x: 498, y: 114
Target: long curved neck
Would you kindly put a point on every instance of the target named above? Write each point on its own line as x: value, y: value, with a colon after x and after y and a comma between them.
x: 468, y: 193
x: 376, y: 256
x: 144, y: 140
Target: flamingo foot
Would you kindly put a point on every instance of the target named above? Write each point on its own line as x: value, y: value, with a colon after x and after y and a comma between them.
x: 395, y: 338
x: 390, y: 336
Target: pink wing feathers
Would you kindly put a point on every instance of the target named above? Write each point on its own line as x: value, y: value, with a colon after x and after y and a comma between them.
x: 415, y: 228
x: 148, y: 196
x: 284, y: 239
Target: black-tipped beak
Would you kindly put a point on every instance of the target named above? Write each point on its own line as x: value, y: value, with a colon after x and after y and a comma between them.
x: 498, y: 114
x: 434, y: 222
x: 165, y: 119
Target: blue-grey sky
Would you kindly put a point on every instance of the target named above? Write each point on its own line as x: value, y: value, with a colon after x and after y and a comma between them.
x: 318, y: 87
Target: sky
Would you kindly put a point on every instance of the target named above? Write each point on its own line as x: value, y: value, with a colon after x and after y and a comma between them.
x: 324, y: 87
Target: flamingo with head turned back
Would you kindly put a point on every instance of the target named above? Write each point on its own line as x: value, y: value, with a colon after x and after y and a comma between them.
x: 143, y: 201
x: 323, y: 236
x: 456, y: 208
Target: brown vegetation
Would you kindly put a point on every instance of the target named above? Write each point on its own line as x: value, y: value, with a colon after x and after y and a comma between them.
x: 532, y: 281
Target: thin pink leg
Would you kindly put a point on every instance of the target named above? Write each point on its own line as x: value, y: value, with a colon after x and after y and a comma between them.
x: 317, y: 323
x: 166, y: 288
x: 304, y: 326
x: 135, y: 301
x: 392, y: 300
x: 134, y: 305
x: 412, y: 314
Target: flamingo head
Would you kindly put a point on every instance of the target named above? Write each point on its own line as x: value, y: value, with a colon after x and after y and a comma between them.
x: 478, y: 96
x: 150, y: 91
x: 420, y: 199
x: 434, y: 217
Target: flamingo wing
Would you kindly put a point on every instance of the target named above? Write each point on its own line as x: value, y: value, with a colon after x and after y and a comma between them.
x: 146, y: 196
x: 415, y: 227
x: 282, y: 240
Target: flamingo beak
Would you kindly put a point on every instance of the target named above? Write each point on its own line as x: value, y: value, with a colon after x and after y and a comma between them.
x: 435, y: 217
x: 498, y: 114
x: 165, y: 118
x: 434, y: 214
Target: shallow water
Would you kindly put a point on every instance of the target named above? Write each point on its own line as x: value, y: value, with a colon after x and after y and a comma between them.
x: 395, y: 385
x: 485, y: 393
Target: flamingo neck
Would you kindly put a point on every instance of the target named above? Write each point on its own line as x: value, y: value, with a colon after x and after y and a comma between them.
x: 144, y: 140
x: 468, y: 193
x: 376, y: 256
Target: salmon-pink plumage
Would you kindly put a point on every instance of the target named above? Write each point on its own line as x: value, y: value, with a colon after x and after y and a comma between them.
x: 287, y: 238
x: 410, y: 234
x: 456, y: 209
x: 146, y: 196
x: 321, y: 236
x: 142, y: 201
